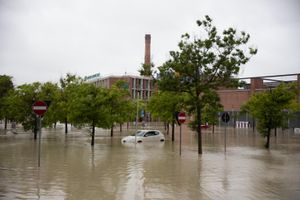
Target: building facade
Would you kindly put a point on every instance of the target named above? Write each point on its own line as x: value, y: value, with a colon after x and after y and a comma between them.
x: 233, y: 99
x: 139, y: 87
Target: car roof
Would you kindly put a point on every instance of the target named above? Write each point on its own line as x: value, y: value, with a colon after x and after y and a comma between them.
x: 144, y: 130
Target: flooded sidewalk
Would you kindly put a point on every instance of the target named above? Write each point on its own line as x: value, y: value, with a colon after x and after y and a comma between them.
x: 72, y: 169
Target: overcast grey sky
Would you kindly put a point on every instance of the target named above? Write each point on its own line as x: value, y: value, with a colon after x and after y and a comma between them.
x: 42, y: 40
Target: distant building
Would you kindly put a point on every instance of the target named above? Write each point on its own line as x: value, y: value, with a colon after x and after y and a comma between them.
x: 140, y: 87
x: 232, y: 99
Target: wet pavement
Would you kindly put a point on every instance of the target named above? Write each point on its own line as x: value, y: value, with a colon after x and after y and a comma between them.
x: 72, y: 169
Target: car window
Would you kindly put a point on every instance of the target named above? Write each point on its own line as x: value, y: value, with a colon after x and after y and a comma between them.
x: 150, y: 133
x: 138, y: 133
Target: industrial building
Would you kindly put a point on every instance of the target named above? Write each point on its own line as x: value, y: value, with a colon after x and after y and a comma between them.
x: 232, y: 99
x: 140, y: 87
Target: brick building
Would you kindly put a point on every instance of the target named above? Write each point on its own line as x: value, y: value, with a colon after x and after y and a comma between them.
x: 140, y: 87
x: 232, y: 99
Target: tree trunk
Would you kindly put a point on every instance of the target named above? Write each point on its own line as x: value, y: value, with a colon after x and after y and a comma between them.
x: 120, y: 128
x: 198, y: 108
x: 268, y: 139
x: 5, y: 123
x: 112, y: 131
x: 213, y: 130
x: 168, y: 128
x: 35, y: 133
x: 35, y: 129
x: 275, y: 132
x: 173, y: 130
x: 66, y: 125
x: 93, y: 134
x: 234, y: 120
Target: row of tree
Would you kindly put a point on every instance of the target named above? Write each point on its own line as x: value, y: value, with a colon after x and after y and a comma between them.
x: 70, y: 101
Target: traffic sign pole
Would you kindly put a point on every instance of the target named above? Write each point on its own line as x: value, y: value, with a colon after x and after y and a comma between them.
x: 225, y: 118
x: 180, y: 140
x: 181, y: 119
x: 225, y: 139
x: 39, y: 108
x: 40, y: 135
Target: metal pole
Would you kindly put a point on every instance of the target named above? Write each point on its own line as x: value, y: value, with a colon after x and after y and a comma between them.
x: 225, y: 138
x: 136, y: 120
x: 40, y: 133
x: 180, y: 140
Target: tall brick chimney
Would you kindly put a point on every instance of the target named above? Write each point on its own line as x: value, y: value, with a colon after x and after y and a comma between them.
x: 147, y: 49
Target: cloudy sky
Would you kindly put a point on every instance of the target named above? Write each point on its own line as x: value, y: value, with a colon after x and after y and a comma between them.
x: 42, y: 40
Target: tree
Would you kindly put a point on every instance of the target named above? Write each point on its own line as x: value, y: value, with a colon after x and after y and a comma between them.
x: 6, y: 85
x: 118, y: 104
x: 146, y: 69
x: 50, y: 93
x: 204, y: 63
x: 164, y: 105
x: 211, y: 108
x: 68, y: 85
x: 272, y: 108
x: 19, y: 105
x: 88, y: 106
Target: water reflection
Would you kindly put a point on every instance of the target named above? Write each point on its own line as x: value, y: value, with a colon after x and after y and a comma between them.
x: 72, y: 169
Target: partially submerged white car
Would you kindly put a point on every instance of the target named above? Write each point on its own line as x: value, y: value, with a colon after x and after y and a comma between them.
x: 144, y: 136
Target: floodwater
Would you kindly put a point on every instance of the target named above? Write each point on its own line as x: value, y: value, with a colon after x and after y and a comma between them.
x: 72, y: 169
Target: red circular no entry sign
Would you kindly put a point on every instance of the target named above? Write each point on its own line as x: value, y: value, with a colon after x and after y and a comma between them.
x: 39, y: 107
x: 181, y: 117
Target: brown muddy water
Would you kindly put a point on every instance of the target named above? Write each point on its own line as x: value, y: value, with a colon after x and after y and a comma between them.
x: 72, y: 169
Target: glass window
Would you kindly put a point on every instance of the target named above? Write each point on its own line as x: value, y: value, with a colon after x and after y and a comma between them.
x: 150, y: 133
x: 138, y: 133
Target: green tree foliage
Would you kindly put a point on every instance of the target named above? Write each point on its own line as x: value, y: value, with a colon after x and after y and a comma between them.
x: 68, y: 85
x: 146, y: 69
x: 50, y: 93
x: 87, y: 106
x: 119, y: 105
x: 211, y: 108
x: 19, y: 105
x: 204, y: 63
x: 163, y: 105
x: 6, y: 85
x: 272, y: 108
x: 140, y: 107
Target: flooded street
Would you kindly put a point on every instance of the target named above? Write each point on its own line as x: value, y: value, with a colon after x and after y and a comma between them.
x: 72, y: 169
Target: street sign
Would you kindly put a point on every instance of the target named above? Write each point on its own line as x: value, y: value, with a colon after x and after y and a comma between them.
x: 181, y: 117
x: 225, y: 117
x: 39, y: 107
